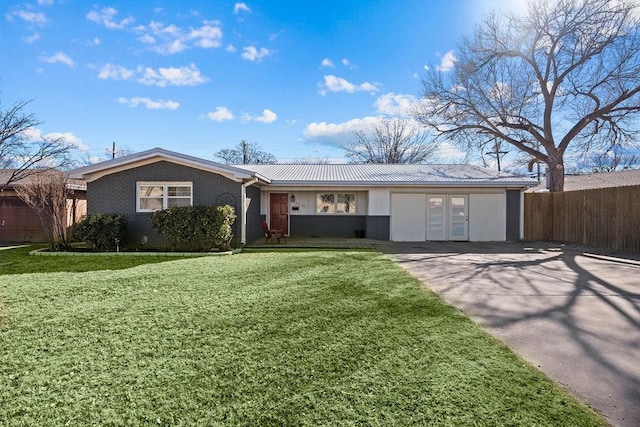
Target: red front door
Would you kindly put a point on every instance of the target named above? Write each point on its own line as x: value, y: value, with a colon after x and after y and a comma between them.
x: 279, y: 209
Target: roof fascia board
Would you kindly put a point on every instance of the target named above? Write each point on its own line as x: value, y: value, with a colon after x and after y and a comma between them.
x: 93, y: 175
x: 413, y: 184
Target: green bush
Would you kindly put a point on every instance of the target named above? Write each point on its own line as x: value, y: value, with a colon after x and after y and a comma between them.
x: 196, y: 227
x: 103, y: 232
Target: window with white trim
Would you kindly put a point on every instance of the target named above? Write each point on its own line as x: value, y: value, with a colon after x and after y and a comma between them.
x: 336, y: 203
x: 154, y: 196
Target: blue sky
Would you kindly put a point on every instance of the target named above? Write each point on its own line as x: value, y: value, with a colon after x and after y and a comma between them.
x: 296, y: 77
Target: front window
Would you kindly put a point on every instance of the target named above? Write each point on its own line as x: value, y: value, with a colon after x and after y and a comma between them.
x: 154, y: 196
x: 325, y: 203
x: 336, y: 203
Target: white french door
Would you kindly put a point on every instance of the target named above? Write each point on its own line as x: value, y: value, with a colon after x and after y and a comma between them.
x: 447, y: 217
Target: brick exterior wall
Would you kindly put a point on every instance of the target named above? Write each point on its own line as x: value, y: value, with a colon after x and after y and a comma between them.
x: 378, y: 227
x: 326, y: 225
x: 116, y: 193
x: 254, y: 229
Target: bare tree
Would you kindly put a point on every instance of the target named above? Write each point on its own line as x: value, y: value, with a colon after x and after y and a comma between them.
x: 310, y: 160
x: 567, y: 72
x: 20, y: 153
x: 245, y: 153
x: 612, y: 160
x: 391, y: 140
x: 47, y: 193
x: 110, y: 154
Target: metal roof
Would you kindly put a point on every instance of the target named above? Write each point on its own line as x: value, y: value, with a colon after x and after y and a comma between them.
x: 324, y: 174
x: 386, y: 174
x: 597, y: 180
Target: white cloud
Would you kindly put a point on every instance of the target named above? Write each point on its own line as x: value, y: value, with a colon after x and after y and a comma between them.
x: 32, y: 134
x: 220, y: 114
x: 251, y: 53
x: 45, y: 2
x: 338, y: 84
x: 450, y: 153
x: 58, y: 57
x: 267, y: 117
x: 35, y: 134
x: 447, y: 62
x: 336, y: 134
x: 207, y: 36
x: 241, y: 7
x: 106, y: 17
x: 160, y: 104
x: 326, y: 62
x: 68, y: 138
x: 170, y: 39
x: 230, y: 48
x: 395, y: 104
x: 32, y: 38
x: 345, y: 62
x: 172, y: 76
x: 35, y: 18
x: 115, y: 72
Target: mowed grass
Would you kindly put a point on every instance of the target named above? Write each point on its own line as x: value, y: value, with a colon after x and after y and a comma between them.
x: 17, y: 261
x: 258, y: 339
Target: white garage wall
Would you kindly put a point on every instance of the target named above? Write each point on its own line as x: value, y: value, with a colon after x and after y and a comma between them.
x: 487, y: 217
x: 408, y: 217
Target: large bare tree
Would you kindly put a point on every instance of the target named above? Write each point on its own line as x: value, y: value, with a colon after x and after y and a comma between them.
x: 564, y: 75
x: 245, y: 153
x: 20, y: 153
x: 47, y: 193
x: 391, y: 140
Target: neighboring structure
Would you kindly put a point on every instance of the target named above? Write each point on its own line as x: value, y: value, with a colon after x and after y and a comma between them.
x: 385, y: 202
x: 20, y: 223
x: 591, y: 181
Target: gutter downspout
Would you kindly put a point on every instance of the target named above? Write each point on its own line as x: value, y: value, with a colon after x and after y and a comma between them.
x: 243, y: 208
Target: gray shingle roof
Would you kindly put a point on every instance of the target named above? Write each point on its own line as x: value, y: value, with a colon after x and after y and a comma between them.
x: 386, y: 174
x: 5, y: 175
x: 160, y: 154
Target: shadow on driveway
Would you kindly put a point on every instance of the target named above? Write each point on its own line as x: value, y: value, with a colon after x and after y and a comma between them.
x: 572, y: 313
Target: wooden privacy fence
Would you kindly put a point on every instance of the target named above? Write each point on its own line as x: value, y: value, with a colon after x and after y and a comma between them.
x: 605, y: 218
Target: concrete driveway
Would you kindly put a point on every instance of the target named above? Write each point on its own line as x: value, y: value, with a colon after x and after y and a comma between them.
x: 573, y: 314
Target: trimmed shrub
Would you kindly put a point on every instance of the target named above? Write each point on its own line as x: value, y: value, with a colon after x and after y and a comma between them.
x: 103, y: 232
x: 195, y: 227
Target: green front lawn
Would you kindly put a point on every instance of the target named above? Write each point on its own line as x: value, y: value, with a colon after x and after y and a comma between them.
x: 17, y: 261
x: 290, y: 338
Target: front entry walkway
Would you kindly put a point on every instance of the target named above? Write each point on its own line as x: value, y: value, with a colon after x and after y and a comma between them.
x: 573, y: 314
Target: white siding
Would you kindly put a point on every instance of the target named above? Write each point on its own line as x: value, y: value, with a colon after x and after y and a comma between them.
x: 379, y: 202
x: 487, y: 217
x: 408, y: 217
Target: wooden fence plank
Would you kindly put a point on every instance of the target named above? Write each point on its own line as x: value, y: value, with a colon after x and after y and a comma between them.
x: 607, y: 218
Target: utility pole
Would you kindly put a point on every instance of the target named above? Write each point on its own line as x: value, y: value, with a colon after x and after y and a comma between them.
x: 245, y: 152
x: 113, y: 150
x: 497, y: 153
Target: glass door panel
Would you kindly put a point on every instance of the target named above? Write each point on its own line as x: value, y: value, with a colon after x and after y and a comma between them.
x: 436, y: 226
x: 458, y: 220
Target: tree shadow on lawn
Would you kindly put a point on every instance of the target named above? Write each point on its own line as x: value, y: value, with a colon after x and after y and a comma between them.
x: 575, y: 314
